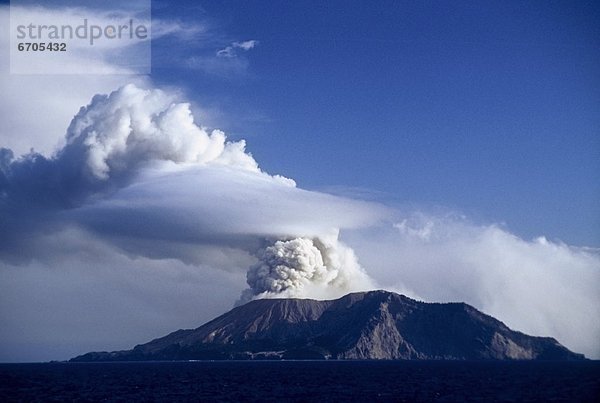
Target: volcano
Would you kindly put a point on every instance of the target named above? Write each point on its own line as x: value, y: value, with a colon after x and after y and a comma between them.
x: 364, y: 325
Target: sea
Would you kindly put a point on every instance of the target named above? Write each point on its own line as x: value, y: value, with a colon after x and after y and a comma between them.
x: 303, y: 381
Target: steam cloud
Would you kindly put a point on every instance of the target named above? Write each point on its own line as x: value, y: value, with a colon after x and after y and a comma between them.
x: 536, y: 286
x: 287, y: 269
x: 109, y: 141
x: 139, y: 184
x: 120, y: 132
x: 126, y: 149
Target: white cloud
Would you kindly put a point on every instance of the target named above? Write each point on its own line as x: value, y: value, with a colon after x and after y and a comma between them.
x: 246, y: 45
x: 179, y: 29
x: 539, y: 287
x: 225, y: 63
x: 230, y: 51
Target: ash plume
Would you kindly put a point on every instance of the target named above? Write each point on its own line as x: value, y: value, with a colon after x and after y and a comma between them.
x: 302, y: 267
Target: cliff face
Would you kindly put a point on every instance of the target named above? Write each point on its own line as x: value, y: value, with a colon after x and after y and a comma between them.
x: 369, y: 325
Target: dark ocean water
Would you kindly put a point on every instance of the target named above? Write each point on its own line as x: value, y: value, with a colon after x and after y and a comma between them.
x: 302, y: 381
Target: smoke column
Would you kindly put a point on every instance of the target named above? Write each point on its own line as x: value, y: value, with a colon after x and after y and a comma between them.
x: 303, y: 267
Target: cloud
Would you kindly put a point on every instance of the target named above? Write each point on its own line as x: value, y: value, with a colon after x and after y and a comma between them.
x: 231, y: 50
x: 539, y: 287
x: 108, y: 141
x: 136, y: 171
x: 227, y: 62
x: 181, y: 30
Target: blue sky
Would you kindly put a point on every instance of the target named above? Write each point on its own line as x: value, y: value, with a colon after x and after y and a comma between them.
x: 489, y: 109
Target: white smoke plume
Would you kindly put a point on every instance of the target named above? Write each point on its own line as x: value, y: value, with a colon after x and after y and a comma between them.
x: 119, y: 132
x: 138, y: 172
x: 304, y: 267
x: 109, y: 141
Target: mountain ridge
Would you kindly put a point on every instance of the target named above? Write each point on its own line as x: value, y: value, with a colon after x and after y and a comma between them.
x: 364, y: 325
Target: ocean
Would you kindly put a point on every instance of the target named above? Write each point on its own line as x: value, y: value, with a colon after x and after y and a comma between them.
x: 303, y: 381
